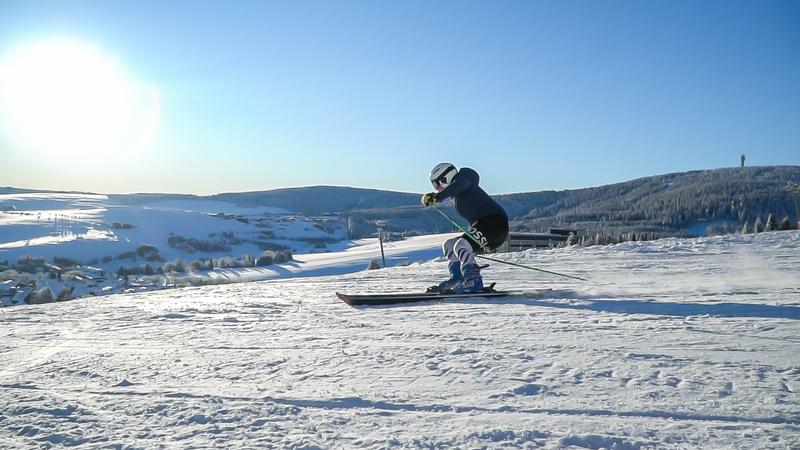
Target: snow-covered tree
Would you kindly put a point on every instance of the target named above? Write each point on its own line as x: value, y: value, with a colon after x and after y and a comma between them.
x: 225, y: 262
x: 177, y: 265
x: 267, y: 258
x: 772, y: 223
x: 247, y: 261
x: 746, y: 228
x: 572, y: 239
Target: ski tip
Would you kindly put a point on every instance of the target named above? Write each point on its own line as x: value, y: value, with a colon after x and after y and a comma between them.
x: 345, y: 298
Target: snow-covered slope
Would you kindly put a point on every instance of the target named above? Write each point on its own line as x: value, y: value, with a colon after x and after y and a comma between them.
x: 673, y: 344
x: 85, y: 227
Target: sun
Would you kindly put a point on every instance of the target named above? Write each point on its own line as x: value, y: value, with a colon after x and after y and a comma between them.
x: 66, y: 97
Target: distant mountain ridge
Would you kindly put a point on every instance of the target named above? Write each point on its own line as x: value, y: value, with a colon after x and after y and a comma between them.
x: 669, y: 204
x: 316, y: 200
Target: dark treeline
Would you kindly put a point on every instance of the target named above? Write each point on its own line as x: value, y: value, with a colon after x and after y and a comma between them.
x: 666, y: 204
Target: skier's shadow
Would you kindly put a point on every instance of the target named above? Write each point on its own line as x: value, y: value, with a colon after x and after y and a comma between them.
x: 653, y: 307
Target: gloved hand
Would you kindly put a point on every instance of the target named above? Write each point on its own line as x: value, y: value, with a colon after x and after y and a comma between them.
x: 428, y: 199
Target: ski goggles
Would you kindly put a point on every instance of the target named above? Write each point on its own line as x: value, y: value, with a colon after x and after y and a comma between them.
x: 439, y: 181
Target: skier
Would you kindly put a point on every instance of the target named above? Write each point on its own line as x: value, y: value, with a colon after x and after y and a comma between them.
x: 488, y: 224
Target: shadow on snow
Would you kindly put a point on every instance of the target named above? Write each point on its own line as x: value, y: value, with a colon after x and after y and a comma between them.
x: 631, y: 306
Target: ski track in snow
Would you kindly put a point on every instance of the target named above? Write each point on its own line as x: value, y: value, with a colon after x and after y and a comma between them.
x: 677, y: 343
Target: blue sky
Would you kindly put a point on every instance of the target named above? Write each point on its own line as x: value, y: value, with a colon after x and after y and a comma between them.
x: 534, y: 95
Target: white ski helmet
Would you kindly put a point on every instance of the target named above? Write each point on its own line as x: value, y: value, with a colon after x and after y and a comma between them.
x: 443, y: 174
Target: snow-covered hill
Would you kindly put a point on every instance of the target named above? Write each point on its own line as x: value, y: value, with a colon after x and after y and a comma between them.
x: 86, y: 227
x: 675, y: 343
x: 144, y: 234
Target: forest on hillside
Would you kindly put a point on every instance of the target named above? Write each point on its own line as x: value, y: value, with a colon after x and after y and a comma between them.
x: 673, y: 204
x: 678, y: 204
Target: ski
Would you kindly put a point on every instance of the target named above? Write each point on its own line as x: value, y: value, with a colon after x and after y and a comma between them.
x: 394, y: 298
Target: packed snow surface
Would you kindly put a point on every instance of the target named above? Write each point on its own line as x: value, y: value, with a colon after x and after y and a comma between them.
x: 677, y: 343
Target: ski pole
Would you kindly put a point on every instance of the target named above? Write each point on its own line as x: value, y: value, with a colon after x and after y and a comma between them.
x: 530, y: 267
x: 469, y: 235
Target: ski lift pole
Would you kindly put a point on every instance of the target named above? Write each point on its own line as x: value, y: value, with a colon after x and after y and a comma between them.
x: 383, y: 255
x: 380, y: 226
x: 470, y: 235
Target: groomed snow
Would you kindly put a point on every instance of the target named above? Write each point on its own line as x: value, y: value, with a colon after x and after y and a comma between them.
x: 674, y: 343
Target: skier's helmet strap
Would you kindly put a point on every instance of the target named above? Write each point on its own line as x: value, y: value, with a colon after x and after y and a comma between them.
x: 443, y: 174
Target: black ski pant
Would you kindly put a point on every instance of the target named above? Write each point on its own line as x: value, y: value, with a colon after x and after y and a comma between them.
x: 490, y: 232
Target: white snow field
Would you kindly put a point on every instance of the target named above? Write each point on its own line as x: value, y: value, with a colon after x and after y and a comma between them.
x: 676, y: 343
x: 81, y: 226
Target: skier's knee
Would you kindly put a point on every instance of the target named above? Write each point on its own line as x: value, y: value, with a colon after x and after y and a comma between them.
x: 448, y: 248
x: 463, y: 251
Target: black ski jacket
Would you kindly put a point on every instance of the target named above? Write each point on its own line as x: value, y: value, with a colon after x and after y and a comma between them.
x: 472, y: 202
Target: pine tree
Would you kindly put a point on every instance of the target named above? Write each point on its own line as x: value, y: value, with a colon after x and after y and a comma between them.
x: 571, y: 240
x: 772, y: 223
x: 759, y: 226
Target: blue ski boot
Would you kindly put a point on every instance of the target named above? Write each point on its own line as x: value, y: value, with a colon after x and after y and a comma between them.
x: 454, y: 282
x: 473, y: 282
